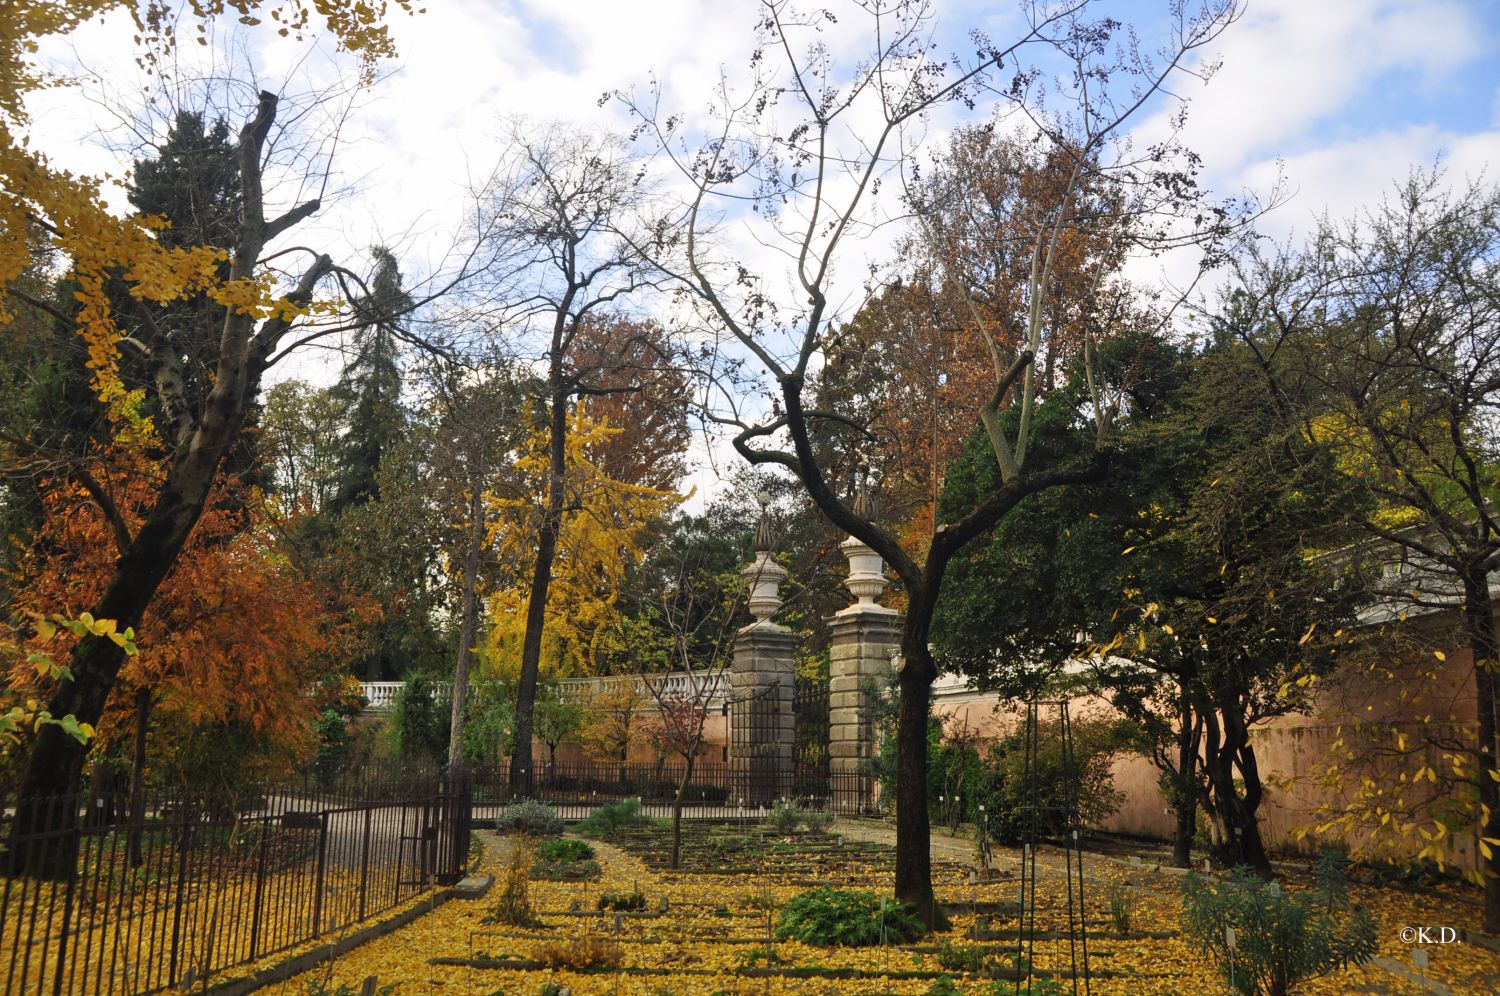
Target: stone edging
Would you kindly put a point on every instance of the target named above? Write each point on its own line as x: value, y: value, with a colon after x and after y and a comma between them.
x: 472, y: 887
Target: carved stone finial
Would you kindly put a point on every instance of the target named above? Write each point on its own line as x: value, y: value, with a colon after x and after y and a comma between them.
x: 764, y: 575
x: 765, y: 536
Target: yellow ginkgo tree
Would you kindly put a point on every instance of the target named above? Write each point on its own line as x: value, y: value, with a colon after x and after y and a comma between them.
x: 603, y: 527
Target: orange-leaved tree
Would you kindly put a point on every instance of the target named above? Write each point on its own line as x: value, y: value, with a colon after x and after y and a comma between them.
x: 237, y: 647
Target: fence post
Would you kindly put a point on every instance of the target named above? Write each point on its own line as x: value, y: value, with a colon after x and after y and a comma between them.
x: 260, y: 886
x: 317, y: 917
x: 67, y: 918
x: 364, y: 857
x: 185, y: 844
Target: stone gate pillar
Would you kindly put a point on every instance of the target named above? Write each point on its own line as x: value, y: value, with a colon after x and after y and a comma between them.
x: 762, y: 681
x: 865, y: 636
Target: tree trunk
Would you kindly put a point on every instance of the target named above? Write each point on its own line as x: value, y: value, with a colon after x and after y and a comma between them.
x: 1229, y: 751
x: 1185, y: 785
x: 137, y: 816
x: 682, y: 785
x: 541, y: 580
x: 1479, y: 621
x: 468, y: 628
x: 913, y: 831
x: 56, y: 759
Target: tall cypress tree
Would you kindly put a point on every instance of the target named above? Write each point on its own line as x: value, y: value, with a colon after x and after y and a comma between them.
x: 370, y: 387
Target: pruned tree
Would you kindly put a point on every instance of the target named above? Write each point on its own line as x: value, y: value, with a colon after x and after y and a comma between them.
x: 807, y: 146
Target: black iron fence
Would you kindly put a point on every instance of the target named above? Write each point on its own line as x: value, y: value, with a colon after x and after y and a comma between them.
x: 713, y: 790
x: 94, y: 901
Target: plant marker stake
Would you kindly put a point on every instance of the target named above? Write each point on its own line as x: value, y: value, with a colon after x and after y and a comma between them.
x: 885, y: 946
x: 1232, y: 943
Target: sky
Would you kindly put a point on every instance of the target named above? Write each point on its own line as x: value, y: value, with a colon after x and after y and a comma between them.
x: 1341, y: 97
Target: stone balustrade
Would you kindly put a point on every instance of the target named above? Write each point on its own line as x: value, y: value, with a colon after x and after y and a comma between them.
x: 381, y: 695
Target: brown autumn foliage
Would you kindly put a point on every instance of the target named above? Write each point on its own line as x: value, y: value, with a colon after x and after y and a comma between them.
x: 923, y: 355
x: 633, y: 385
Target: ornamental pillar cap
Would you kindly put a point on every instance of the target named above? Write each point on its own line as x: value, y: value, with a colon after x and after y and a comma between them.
x: 764, y: 575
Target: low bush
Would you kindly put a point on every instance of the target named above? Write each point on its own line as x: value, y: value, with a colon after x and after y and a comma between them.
x: 943, y: 986
x: 626, y: 902
x: 615, y: 816
x: 817, y: 820
x: 562, y: 851
x: 846, y: 917
x: 784, y: 817
x: 530, y: 817
x: 960, y: 958
x: 581, y: 953
x: 1282, y: 938
x: 562, y: 860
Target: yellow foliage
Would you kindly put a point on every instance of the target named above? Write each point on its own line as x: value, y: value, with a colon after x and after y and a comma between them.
x: 600, y: 541
x: 70, y: 208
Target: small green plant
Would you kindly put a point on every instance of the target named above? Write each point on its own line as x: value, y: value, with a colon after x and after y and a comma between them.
x: 960, y: 957
x: 1121, y: 905
x: 529, y: 817
x: 550, y: 989
x: 760, y: 956
x: 623, y: 901
x: 846, y: 917
x: 1036, y: 987
x: 943, y: 986
x: 1281, y: 938
x: 784, y: 817
x: 614, y: 816
x: 562, y: 860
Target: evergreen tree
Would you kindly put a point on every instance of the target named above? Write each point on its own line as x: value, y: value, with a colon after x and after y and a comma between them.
x: 370, y: 387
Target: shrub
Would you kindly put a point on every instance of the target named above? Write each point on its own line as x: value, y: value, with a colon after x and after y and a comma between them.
x: 623, y: 901
x: 530, y: 817
x: 1002, y: 783
x: 943, y: 986
x: 1282, y: 938
x: 581, y: 953
x: 563, y: 851
x: 614, y: 816
x: 960, y: 958
x: 1121, y: 903
x: 846, y: 917
x: 514, y: 905
x: 817, y: 820
x: 784, y: 817
x: 561, y: 860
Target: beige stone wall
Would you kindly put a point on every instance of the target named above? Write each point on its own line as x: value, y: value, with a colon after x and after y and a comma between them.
x: 1291, y: 750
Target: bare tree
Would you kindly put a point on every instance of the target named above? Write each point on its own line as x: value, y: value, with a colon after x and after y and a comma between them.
x: 807, y: 148
x: 564, y: 213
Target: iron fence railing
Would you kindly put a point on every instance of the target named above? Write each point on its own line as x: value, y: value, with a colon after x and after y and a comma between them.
x: 94, y: 900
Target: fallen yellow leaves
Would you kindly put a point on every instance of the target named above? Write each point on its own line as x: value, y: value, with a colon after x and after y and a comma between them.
x: 703, y: 929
